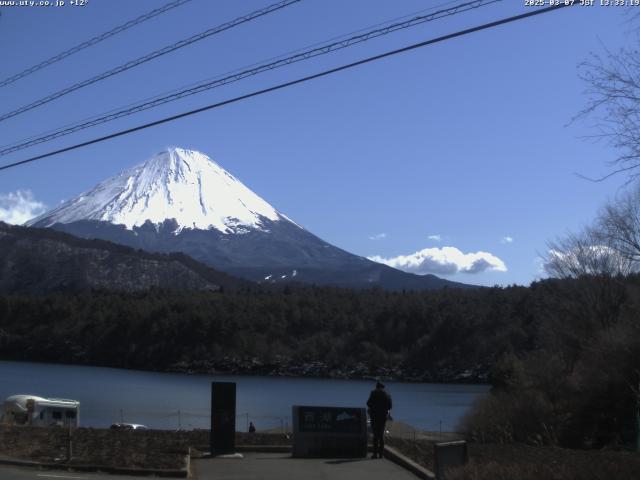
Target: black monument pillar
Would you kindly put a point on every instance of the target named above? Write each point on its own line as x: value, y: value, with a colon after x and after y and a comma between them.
x: 223, y: 418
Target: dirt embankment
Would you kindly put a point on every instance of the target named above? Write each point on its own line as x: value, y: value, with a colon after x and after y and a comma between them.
x: 524, y: 462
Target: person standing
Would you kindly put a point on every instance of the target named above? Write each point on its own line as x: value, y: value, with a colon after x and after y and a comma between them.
x: 379, y: 404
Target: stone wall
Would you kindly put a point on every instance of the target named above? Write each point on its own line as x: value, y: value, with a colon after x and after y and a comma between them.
x: 89, y: 446
x: 33, y: 443
x: 158, y: 449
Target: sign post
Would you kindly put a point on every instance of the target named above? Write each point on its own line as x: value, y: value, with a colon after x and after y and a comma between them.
x: 223, y: 418
x: 449, y: 456
x: 329, y: 432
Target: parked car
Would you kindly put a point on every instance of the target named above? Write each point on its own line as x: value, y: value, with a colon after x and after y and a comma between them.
x: 128, y: 426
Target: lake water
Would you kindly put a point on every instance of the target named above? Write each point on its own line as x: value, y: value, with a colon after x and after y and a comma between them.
x: 173, y: 400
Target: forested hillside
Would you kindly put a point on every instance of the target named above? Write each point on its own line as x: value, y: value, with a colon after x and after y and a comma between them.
x: 446, y: 335
x: 34, y: 260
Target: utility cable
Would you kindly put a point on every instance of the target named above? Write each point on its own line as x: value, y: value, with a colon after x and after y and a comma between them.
x: 254, y: 70
x: 150, y: 56
x: 281, y: 86
x: 94, y: 40
x: 39, y: 136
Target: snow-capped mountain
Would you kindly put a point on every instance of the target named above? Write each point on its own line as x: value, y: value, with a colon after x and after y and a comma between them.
x: 182, y: 201
x: 178, y: 184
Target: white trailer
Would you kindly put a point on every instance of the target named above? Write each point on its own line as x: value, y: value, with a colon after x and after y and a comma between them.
x: 45, y: 412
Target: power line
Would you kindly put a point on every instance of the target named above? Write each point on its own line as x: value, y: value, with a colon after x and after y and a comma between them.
x: 94, y: 40
x: 150, y: 56
x: 241, y: 74
x: 281, y: 86
x: 40, y: 137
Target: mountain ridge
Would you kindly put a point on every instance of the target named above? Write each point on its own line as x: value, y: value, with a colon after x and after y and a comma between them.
x: 181, y: 200
x: 34, y: 260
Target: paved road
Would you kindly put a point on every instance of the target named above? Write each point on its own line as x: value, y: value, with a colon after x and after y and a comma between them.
x: 280, y: 466
x: 30, y: 473
x: 254, y: 466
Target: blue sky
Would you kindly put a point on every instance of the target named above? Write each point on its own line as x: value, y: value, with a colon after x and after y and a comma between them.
x: 459, y: 148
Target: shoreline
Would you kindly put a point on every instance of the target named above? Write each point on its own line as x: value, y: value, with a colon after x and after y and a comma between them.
x: 314, y: 370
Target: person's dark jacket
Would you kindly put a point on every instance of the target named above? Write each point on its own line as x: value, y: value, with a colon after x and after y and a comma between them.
x: 379, y: 403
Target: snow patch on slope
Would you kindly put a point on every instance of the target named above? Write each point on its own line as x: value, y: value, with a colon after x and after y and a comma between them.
x: 179, y: 184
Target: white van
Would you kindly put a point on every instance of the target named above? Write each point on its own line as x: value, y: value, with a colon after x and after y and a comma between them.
x: 45, y: 412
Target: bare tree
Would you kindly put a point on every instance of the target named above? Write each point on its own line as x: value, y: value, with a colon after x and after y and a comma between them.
x: 585, y: 254
x: 613, y: 90
x: 618, y: 225
x: 600, y: 270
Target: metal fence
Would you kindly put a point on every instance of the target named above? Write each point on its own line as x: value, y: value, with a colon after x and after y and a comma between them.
x: 178, y: 419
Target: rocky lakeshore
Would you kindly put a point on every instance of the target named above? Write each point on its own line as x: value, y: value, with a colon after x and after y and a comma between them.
x: 283, y: 367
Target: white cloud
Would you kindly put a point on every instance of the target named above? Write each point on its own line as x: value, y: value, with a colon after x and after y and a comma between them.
x: 19, y: 206
x: 507, y: 239
x: 444, y: 261
x: 435, y: 238
x: 378, y: 236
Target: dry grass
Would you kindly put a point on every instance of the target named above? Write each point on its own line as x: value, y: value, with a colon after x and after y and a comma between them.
x: 523, y: 462
x: 502, y: 462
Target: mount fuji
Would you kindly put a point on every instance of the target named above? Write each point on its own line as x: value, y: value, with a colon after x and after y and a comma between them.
x: 182, y: 201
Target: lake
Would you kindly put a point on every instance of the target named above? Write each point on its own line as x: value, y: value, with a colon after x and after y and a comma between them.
x: 177, y: 400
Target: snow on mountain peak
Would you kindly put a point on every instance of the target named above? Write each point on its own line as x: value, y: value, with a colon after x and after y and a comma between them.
x: 179, y: 184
